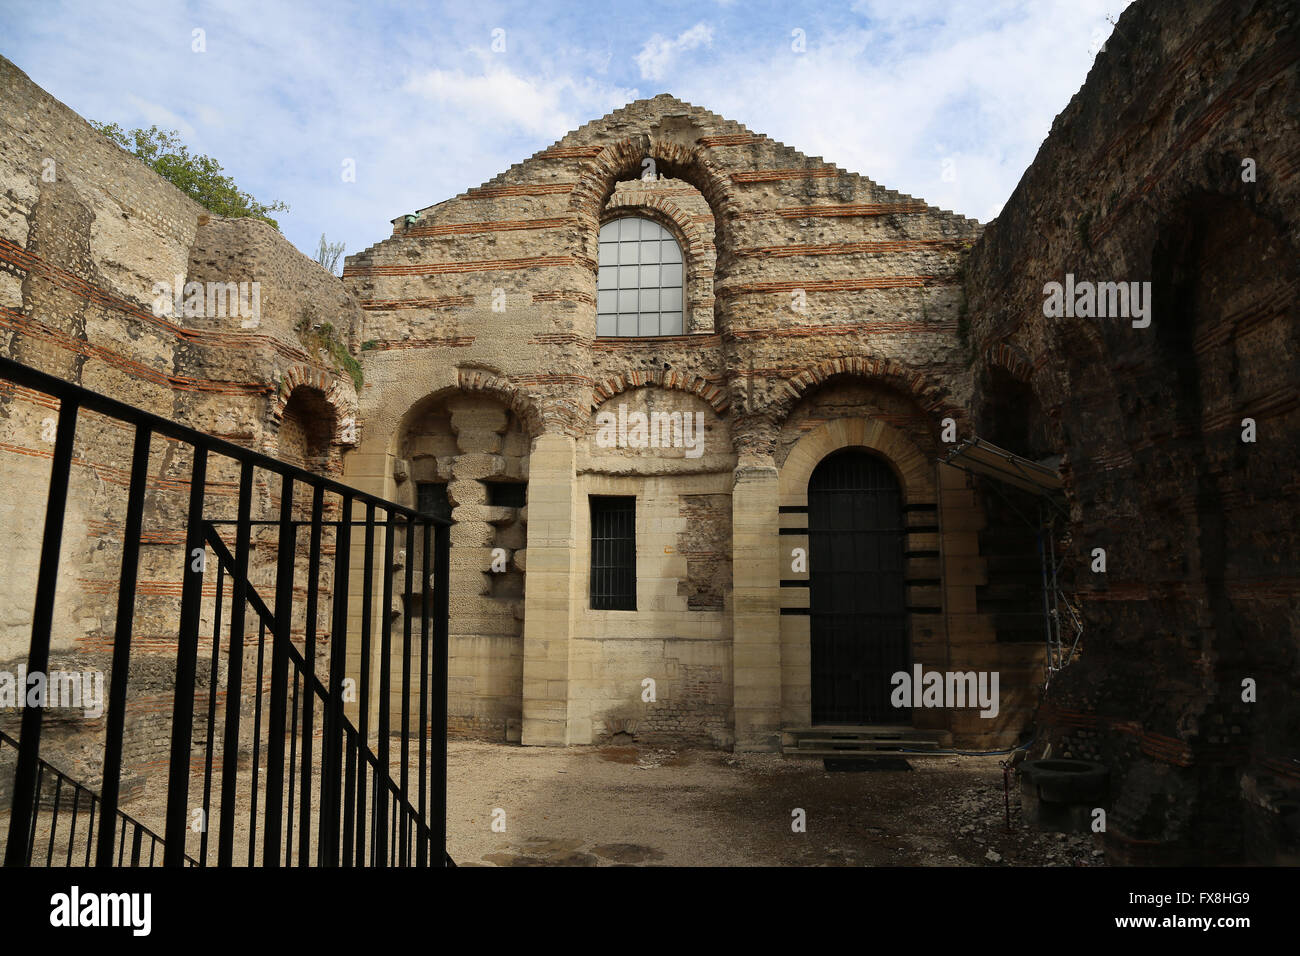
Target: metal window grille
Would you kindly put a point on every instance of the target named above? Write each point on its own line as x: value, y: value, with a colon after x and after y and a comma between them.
x: 613, y: 554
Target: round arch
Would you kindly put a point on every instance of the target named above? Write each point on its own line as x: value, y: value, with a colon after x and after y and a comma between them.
x: 910, y: 465
x: 930, y: 397
x: 702, y: 388
x: 623, y: 160
x: 337, y: 392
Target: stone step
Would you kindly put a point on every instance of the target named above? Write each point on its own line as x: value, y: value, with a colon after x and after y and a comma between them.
x: 847, y: 745
x: 863, y: 730
x: 819, y: 754
x: 859, y: 739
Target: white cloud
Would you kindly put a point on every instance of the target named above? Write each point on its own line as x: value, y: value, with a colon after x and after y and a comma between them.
x: 533, y: 105
x: 660, y: 54
x: 894, y: 94
x: 156, y: 115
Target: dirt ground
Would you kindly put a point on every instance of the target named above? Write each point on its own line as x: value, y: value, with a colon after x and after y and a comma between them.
x: 644, y: 806
x: 612, y: 806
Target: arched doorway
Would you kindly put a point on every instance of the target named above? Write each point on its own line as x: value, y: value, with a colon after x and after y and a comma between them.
x: 857, y: 598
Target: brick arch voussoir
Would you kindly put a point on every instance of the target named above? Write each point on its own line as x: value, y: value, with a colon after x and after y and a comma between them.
x: 665, y: 207
x: 616, y: 160
x: 512, y: 396
x: 339, y: 392
x: 910, y: 382
x: 1005, y: 356
x: 715, y: 396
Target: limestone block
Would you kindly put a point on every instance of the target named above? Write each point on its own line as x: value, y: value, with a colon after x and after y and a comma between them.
x: 478, y: 441
x: 476, y: 414
x: 476, y: 466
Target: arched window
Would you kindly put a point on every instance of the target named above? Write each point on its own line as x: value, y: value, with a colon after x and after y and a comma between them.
x: 639, y: 285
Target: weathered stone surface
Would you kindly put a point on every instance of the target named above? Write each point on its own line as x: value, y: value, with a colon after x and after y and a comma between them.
x: 1174, y: 165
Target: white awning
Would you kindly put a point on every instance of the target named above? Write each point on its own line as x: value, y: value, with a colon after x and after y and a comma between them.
x: 982, y: 458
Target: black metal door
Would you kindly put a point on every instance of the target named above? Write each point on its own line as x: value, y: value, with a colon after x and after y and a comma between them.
x: 858, y: 612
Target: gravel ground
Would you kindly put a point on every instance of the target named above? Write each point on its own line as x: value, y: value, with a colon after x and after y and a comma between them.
x: 607, y: 806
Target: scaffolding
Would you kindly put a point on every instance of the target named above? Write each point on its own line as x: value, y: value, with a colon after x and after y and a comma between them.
x: 1062, y: 625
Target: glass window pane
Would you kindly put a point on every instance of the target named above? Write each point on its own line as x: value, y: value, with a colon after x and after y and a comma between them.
x: 639, y: 280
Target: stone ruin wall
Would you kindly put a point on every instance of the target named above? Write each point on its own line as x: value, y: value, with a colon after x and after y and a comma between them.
x: 1142, y: 179
x: 85, y: 232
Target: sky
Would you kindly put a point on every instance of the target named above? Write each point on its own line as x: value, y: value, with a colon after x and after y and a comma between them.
x: 944, y: 101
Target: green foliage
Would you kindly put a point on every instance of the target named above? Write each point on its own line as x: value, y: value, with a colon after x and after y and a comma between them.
x: 317, y: 337
x: 199, y: 177
x: 369, y: 344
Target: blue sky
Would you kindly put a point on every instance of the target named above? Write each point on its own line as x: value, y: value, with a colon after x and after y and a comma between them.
x: 946, y: 101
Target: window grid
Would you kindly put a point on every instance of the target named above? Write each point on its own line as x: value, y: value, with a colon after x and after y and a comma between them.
x: 613, y: 553
x: 640, y: 280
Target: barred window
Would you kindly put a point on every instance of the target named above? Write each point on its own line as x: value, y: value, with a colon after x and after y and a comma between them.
x: 639, y: 283
x: 613, y: 553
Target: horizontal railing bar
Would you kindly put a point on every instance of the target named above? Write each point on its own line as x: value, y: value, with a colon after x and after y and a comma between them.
x: 80, y: 788
x: 300, y: 664
x: 93, y: 401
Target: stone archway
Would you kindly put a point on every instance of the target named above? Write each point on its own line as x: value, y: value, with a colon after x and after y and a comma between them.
x: 913, y: 473
x: 623, y: 160
x: 909, y: 463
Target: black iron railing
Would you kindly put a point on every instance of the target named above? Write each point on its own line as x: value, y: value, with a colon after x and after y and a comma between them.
x: 70, y: 839
x: 298, y: 761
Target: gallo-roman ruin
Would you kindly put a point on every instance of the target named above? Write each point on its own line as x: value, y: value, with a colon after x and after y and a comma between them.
x: 740, y: 446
